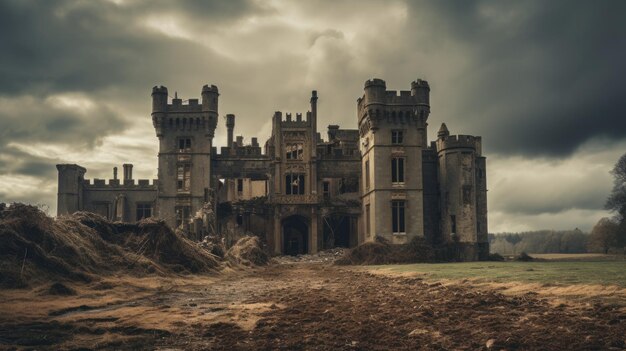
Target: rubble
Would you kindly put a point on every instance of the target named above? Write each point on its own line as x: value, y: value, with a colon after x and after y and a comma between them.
x: 326, y: 256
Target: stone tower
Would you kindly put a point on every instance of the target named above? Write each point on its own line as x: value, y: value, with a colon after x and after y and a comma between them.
x: 70, y: 195
x: 392, y: 128
x: 463, y: 191
x: 185, y: 133
x: 294, y: 182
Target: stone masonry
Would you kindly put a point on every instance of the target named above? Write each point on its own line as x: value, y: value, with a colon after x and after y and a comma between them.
x: 382, y: 179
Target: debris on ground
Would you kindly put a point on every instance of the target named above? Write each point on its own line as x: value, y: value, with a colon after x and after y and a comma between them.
x: 248, y: 251
x: 524, y: 257
x: 381, y: 251
x: 325, y: 256
x: 35, y: 248
x: 213, y: 245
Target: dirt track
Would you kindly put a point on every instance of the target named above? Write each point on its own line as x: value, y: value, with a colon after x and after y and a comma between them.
x: 314, y: 307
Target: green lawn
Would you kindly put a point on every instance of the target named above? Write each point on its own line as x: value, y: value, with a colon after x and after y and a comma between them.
x: 559, y: 273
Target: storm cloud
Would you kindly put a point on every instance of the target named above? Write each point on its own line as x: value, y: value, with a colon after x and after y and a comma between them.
x: 540, y: 81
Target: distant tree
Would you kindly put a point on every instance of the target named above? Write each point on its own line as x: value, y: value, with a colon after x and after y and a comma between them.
x: 513, y: 239
x: 604, y: 235
x: 616, y: 202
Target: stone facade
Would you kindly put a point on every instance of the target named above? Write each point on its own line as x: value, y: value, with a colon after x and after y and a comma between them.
x: 382, y: 179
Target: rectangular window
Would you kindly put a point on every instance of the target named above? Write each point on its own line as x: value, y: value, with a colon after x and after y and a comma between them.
x: 239, y: 185
x: 453, y: 224
x: 326, y: 186
x: 183, y: 182
x: 397, y: 137
x: 182, y: 215
x: 367, y: 220
x: 294, y: 151
x: 144, y: 211
x: 294, y: 184
x: 367, y: 174
x: 397, y: 170
x: 184, y: 145
x: 397, y: 216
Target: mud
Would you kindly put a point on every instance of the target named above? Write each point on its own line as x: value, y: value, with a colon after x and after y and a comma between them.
x: 305, y: 307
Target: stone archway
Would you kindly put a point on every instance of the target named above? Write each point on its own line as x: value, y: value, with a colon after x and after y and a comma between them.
x: 295, y: 235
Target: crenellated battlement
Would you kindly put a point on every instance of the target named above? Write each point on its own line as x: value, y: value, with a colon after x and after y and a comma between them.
x: 375, y: 82
x: 159, y: 90
x: 287, y: 121
x: 178, y: 105
x: 459, y: 142
x: 212, y: 88
x: 118, y: 184
x: 376, y: 94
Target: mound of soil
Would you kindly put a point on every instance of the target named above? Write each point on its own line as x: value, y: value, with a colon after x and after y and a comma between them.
x: 381, y: 251
x: 248, y: 251
x: 35, y: 248
x: 60, y: 289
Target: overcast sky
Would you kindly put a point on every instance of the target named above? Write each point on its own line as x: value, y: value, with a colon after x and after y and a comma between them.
x: 541, y: 81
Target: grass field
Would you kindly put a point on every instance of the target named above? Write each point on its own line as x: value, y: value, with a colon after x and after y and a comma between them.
x: 545, y: 272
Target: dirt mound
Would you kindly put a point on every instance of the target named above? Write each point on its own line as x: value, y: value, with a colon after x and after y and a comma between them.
x: 35, y: 248
x: 381, y: 251
x: 60, y: 289
x: 248, y: 251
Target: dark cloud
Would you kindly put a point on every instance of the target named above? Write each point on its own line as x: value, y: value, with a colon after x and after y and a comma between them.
x: 539, y: 78
x: 536, y: 79
x: 60, y: 119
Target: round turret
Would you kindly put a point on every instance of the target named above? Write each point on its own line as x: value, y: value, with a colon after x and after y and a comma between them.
x: 421, y: 90
x: 210, y: 96
x: 159, y: 99
x: 375, y: 91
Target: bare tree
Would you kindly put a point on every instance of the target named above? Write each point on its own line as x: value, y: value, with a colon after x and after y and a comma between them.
x: 604, y: 235
x: 617, y: 200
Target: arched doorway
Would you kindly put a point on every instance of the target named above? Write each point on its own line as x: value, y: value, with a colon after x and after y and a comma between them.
x: 295, y: 235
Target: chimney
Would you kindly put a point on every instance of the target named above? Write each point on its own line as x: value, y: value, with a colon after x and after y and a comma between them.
x: 230, y: 126
x: 128, y: 172
x: 115, y: 173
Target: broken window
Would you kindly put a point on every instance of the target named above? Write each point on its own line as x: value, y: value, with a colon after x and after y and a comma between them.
x: 183, y: 182
x: 367, y: 220
x: 182, y: 214
x: 144, y: 211
x: 367, y: 174
x: 239, y: 219
x: 326, y: 187
x: 397, y: 170
x: 294, y: 151
x: 239, y: 185
x: 453, y: 224
x: 397, y: 216
x: 294, y: 184
x: 184, y: 145
x: 467, y: 194
x: 397, y: 137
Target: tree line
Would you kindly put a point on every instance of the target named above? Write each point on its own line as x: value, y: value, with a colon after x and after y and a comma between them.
x: 607, y: 236
x: 540, y: 241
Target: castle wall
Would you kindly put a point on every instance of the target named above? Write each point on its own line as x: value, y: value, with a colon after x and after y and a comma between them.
x: 442, y: 191
x: 119, y: 202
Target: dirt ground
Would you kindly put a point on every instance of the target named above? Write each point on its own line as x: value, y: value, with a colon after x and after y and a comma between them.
x: 301, y: 306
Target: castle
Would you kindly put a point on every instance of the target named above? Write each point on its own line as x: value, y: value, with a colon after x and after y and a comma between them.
x: 382, y: 179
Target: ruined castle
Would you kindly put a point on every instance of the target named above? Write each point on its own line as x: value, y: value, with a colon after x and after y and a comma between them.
x: 303, y: 192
